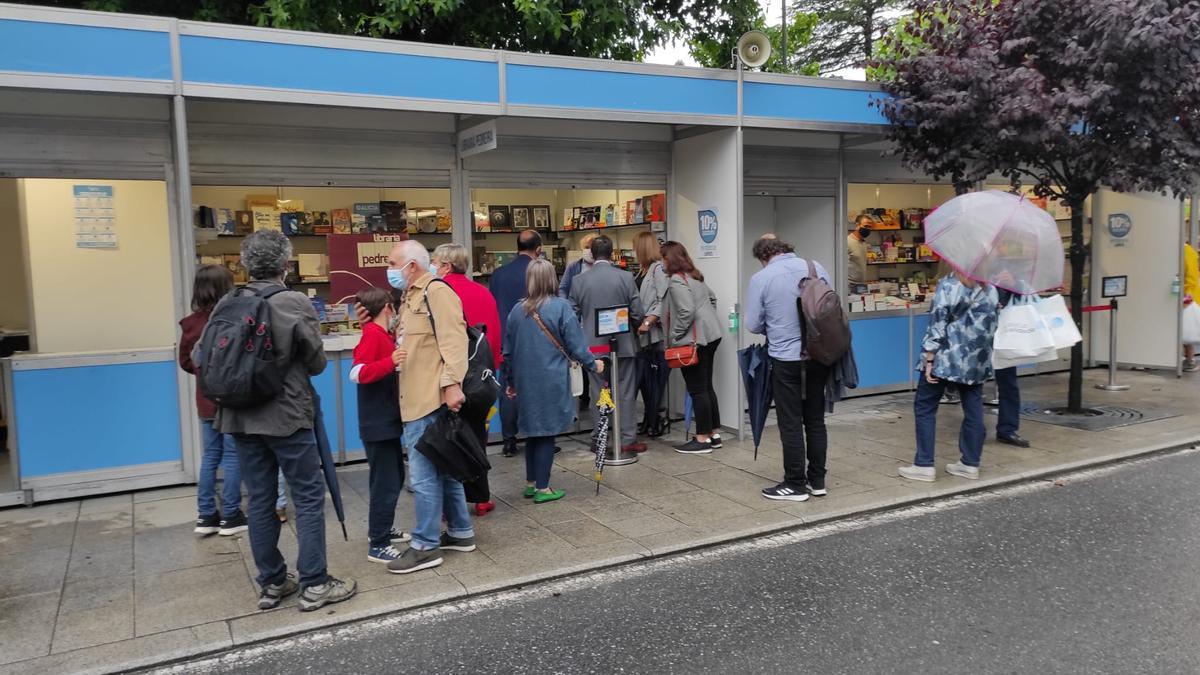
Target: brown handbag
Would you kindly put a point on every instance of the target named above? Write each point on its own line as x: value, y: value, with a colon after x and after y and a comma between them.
x: 685, y: 356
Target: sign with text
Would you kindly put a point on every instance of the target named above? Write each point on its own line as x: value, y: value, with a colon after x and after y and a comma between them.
x: 706, y: 220
x: 357, y: 261
x: 477, y: 139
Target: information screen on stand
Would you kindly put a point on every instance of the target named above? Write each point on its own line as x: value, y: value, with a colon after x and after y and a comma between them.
x: 612, y: 321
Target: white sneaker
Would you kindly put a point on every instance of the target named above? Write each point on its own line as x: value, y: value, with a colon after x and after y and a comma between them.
x: 962, y: 470
x: 926, y: 474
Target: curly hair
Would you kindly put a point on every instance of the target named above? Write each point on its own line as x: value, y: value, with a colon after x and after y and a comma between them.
x: 768, y: 247
x: 265, y: 254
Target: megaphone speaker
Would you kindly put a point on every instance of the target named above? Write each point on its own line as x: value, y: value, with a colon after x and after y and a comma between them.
x: 754, y: 48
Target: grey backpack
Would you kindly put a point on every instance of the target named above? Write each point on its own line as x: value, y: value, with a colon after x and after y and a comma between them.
x: 824, y: 325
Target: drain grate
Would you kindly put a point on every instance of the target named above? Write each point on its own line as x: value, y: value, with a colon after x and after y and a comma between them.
x: 1095, y: 418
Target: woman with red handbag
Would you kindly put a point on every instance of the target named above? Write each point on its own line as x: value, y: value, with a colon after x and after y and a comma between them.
x: 693, y: 335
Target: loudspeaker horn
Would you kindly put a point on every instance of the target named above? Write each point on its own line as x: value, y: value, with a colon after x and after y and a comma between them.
x: 754, y: 48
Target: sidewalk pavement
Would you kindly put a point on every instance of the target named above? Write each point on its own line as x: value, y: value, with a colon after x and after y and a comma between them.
x: 116, y: 582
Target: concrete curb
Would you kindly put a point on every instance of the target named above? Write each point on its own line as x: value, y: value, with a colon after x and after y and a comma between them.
x: 216, y: 637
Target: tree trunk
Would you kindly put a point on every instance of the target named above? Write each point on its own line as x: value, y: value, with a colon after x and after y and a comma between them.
x: 1077, y: 256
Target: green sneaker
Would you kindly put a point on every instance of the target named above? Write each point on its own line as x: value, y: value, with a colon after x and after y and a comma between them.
x: 530, y: 491
x: 553, y: 495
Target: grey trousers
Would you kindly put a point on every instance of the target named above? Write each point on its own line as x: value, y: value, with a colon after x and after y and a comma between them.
x: 627, y: 390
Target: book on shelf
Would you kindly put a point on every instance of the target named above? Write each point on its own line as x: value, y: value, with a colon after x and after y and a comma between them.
x: 444, y: 222
x: 367, y: 217
x: 266, y: 219
x: 320, y: 222
x: 395, y: 216
x: 205, y: 218
x: 340, y: 218
x: 289, y: 204
x: 289, y: 222
x: 261, y: 202
x: 226, y: 225
x: 314, y: 265
x: 654, y: 208
x: 243, y: 222
x: 233, y: 262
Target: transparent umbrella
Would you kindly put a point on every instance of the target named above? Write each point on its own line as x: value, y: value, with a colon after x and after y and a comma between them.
x: 999, y: 238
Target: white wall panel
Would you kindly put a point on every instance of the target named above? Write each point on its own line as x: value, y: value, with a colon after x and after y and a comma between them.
x: 708, y: 174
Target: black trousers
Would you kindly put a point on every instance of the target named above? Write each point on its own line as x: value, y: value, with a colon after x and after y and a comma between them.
x: 386, y: 479
x: 800, y: 408
x: 698, y: 379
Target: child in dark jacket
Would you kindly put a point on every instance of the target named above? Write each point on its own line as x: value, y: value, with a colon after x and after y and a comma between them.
x: 376, y: 359
x: 212, y: 283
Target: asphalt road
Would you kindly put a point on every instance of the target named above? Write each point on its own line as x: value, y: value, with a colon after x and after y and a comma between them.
x: 1095, y: 576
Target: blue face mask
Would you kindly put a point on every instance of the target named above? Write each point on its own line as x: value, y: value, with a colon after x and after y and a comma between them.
x: 433, y: 270
x: 396, y: 279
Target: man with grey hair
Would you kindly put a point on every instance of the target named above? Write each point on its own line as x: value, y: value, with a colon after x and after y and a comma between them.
x: 435, y: 337
x: 278, y: 434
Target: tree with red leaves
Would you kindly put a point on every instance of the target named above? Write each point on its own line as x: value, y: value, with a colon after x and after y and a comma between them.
x: 1068, y: 96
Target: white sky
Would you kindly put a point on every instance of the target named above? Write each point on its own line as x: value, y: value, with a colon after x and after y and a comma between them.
x: 669, y: 54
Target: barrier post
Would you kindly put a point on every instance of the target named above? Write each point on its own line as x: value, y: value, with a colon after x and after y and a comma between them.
x: 1112, y: 351
x: 616, y: 458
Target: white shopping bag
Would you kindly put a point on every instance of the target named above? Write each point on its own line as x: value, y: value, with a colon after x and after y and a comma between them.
x: 1058, y: 320
x: 1048, y: 355
x: 1191, y: 324
x: 1021, y: 333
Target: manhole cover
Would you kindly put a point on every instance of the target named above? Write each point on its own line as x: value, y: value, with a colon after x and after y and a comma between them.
x: 1094, y: 418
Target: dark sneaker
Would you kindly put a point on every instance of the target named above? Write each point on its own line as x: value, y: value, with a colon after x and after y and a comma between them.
x: 817, y: 491
x: 399, y: 536
x: 465, y: 544
x: 695, y: 447
x: 382, y: 554
x: 207, y: 525
x: 1015, y: 440
x: 333, y: 590
x: 510, y: 448
x: 231, y: 526
x: 272, y: 594
x: 716, y: 441
x: 413, y: 560
x: 786, y: 493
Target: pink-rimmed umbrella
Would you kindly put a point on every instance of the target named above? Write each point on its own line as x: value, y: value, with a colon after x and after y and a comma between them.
x: 999, y: 238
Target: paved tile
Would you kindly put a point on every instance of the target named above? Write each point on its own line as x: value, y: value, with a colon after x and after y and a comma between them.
x: 585, y: 532
x: 108, y: 562
x: 698, y: 507
x: 94, y: 612
x: 739, y: 486
x: 176, y: 548
x: 35, y: 535
x: 37, y: 571
x: 164, y: 493
x: 106, y: 504
x: 643, y: 482
x: 26, y: 624
x: 128, y: 655
x: 179, y: 598
x: 100, y: 531
x: 285, y: 620
x: 636, y: 528
x: 169, y: 512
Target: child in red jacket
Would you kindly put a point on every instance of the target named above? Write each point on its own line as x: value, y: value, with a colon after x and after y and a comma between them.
x: 376, y: 359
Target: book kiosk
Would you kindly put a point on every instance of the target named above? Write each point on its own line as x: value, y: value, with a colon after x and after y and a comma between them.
x: 141, y: 147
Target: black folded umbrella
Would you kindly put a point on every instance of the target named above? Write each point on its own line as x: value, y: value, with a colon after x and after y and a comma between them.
x: 453, y: 447
x: 328, y: 467
x: 755, y: 365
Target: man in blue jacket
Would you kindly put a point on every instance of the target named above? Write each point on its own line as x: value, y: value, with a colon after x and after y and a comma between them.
x: 508, y: 287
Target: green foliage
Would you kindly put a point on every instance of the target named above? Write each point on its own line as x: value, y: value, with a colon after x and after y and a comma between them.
x: 618, y: 29
x: 712, y: 46
x: 846, y: 31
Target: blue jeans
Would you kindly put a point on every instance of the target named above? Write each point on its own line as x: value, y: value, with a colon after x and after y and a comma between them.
x: 434, y: 493
x: 1010, y: 402
x: 539, y: 458
x: 219, y: 451
x: 973, y: 432
x: 386, y: 479
x: 508, y: 408
x: 262, y: 457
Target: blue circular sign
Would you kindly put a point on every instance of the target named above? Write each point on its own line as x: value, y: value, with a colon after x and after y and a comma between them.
x: 708, y: 225
x: 1119, y: 225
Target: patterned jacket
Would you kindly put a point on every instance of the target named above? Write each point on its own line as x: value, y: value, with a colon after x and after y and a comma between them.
x: 962, y: 323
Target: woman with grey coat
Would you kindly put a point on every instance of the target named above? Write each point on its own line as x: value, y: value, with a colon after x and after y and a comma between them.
x: 691, y: 311
x: 652, y: 286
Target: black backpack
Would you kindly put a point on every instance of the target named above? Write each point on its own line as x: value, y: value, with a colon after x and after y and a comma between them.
x: 238, y: 366
x: 479, y: 386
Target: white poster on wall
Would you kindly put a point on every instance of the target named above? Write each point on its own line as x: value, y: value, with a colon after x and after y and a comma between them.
x: 95, y: 216
x: 1119, y: 227
x: 706, y: 220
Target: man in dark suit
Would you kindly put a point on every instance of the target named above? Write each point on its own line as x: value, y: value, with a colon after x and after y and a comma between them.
x: 606, y: 285
x: 508, y: 287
